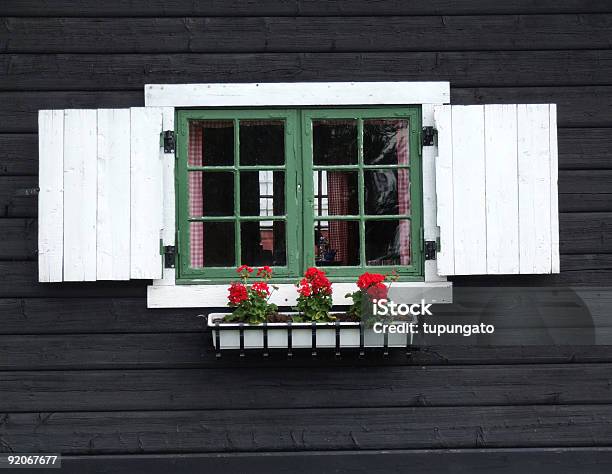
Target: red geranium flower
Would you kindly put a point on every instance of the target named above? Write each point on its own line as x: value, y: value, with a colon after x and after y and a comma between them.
x: 261, y: 288
x: 244, y: 268
x: 378, y: 291
x: 304, y: 290
x: 265, y: 271
x: 237, y: 293
x: 370, y: 279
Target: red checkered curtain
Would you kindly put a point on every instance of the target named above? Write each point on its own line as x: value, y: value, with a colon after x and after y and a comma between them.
x: 338, y: 204
x: 196, y: 201
x: 403, y: 191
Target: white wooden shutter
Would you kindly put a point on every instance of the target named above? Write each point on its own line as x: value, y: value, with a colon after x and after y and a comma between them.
x: 496, y: 187
x: 101, y: 200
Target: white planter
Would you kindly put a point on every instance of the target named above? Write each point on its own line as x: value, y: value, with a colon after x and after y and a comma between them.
x: 228, y: 336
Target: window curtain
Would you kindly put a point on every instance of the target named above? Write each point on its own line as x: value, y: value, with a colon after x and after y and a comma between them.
x: 338, y: 205
x: 403, y: 191
x: 196, y: 201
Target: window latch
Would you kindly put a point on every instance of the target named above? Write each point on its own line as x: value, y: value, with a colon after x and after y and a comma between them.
x: 169, y: 141
x: 428, y: 137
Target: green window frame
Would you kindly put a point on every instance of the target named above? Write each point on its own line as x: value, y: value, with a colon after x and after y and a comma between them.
x: 299, y: 214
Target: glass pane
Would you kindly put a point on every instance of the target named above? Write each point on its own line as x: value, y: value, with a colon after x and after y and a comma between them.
x: 385, y: 142
x: 334, y: 142
x: 211, y: 143
x: 211, y: 244
x: 263, y: 243
x: 335, y: 193
x: 211, y: 194
x: 336, y: 243
x: 262, y: 193
x: 387, y: 192
x: 262, y: 142
x: 387, y: 242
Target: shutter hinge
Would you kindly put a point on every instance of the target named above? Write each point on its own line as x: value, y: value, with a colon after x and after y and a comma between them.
x: 431, y: 248
x: 169, y: 141
x: 428, y: 136
x: 169, y: 256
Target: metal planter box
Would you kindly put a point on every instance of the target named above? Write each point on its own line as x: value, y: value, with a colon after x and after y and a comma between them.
x: 301, y: 335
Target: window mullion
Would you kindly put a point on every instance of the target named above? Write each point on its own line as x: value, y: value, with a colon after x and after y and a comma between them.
x: 237, y: 236
x: 361, y: 194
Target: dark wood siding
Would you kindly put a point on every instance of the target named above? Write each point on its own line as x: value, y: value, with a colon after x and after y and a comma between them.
x: 87, y: 370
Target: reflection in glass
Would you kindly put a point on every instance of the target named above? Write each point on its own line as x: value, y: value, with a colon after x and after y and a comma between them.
x: 263, y: 243
x: 334, y: 142
x: 211, y: 194
x: 211, y: 244
x: 385, y: 142
x: 262, y: 142
x: 387, y: 242
x: 335, y: 193
x: 211, y: 143
x: 387, y: 192
x: 262, y: 193
x: 336, y: 243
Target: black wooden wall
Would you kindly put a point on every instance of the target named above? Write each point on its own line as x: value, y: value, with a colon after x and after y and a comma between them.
x: 87, y: 370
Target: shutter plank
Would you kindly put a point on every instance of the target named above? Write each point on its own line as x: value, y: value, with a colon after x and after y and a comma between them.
x: 168, y: 231
x: 444, y: 190
x: 80, y: 153
x: 146, y: 193
x: 469, y: 190
x: 113, y: 216
x: 534, y: 188
x: 501, y: 189
x: 554, y: 193
x: 50, y: 199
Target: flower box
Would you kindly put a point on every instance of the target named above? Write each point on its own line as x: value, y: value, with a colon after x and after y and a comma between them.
x: 227, y: 335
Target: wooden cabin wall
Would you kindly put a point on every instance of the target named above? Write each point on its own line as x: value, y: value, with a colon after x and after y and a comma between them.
x: 88, y: 371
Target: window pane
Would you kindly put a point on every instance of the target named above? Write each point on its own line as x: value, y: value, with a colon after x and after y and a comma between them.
x: 385, y: 142
x: 211, y: 244
x: 211, y: 194
x: 387, y: 242
x: 262, y: 193
x: 262, y: 142
x: 334, y: 142
x: 211, y: 143
x: 336, y: 243
x: 335, y: 193
x: 387, y: 192
x: 263, y: 243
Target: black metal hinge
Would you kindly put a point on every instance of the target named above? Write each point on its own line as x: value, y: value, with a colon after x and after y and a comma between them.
x: 169, y: 256
x: 169, y: 141
x: 428, y: 137
x: 430, y: 249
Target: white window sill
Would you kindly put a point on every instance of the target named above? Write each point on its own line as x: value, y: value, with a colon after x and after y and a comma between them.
x: 215, y: 296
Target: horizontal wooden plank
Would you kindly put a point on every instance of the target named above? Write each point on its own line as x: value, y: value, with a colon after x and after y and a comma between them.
x: 585, y: 233
x: 20, y: 279
x: 299, y: 34
x: 462, y: 69
x: 361, y: 387
x: 194, y: 350
x: 586, y: 262
x: 579, y: 148
x: 312, y: 429
x: 584, y: 148
x: 18, y: 200
x: 435, y: 461
x: 19, y: 111
x: 18, y: 154
x: 19, y: 239
x: 93, y: 315
x: 149, y: 8
x: 578, y: 106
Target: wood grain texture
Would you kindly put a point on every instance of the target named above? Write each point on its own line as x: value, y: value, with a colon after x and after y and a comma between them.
x: 462, y: 69
x: 434, y: 461
x: 51, y: 195
x: 80, y: 176
x: 298, y: 34
x: 187, y: 389
x: 18, y: 154
x: 154, y: 8
x: 113, y: 194
x: 314, y: 429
